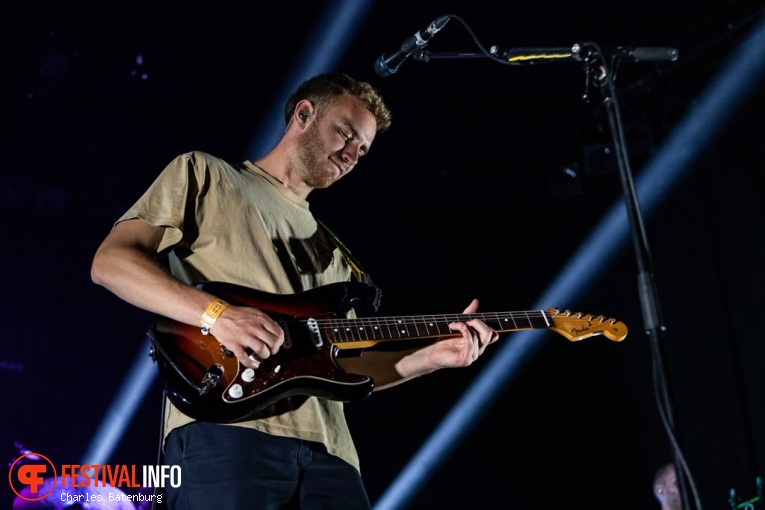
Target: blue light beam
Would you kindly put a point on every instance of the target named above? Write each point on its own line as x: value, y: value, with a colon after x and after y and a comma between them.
x: 123, y: 408
x: 330, y: 41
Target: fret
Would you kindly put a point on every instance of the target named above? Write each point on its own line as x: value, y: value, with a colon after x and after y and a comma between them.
x: 494, y: 322
x: 400, y: 328
x: 376, y: 332
x: 416, y: 328
x: 335, y: 330
x: 507, y: 322
x: 431, y: 323
x: 503, y: 323
x: 363, y: 329
x: 385, y: 330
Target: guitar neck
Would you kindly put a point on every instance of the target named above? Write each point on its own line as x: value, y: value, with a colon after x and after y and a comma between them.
x: 375, y: 329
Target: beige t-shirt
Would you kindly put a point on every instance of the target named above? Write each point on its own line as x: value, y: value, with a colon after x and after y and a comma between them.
x: 237, y: 224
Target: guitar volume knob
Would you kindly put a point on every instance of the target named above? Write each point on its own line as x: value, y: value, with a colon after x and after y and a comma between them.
x: 235, y: 391
x: 248, y: 375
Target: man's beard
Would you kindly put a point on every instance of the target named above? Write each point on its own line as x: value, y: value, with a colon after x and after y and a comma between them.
x: 311, y: 161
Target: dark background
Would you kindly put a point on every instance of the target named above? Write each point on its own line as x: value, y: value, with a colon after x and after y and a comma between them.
x: 464, y: 197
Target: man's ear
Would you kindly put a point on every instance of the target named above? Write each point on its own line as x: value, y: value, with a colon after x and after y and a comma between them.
x: 305, y: 109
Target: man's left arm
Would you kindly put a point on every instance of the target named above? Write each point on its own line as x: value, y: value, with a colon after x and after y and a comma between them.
x: 391, y: 368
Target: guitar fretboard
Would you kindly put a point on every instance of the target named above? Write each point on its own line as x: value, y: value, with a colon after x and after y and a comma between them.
x: 426, y: 326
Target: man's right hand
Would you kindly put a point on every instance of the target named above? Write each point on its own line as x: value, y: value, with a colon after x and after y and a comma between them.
x: 248, y: 333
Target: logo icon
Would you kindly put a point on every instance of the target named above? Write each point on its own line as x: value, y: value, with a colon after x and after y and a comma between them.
x: 32, y: 476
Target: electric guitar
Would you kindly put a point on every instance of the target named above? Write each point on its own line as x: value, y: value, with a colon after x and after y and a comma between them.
x: 205, y: 381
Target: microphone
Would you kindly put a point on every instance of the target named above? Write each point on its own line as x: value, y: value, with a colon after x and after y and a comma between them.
x: 645, y: 54
x: 386, y: 65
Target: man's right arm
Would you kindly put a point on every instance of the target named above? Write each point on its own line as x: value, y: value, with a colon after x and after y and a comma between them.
x: 125, y: 264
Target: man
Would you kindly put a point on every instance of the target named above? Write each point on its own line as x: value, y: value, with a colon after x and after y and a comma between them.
x: 250, y: 224
x: 665, y: 488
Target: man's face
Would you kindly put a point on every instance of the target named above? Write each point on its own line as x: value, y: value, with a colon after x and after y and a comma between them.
x: 332, y: 144
x: 668, y: 492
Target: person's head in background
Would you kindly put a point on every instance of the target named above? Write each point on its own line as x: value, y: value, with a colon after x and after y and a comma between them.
x: 665, y: 488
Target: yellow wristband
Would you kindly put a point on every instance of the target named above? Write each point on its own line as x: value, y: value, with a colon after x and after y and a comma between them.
x: 211, y: 315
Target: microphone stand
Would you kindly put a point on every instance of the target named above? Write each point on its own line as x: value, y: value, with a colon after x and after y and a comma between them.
x: 600, y: 73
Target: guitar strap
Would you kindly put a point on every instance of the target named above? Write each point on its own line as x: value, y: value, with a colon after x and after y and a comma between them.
x: 358, y: 270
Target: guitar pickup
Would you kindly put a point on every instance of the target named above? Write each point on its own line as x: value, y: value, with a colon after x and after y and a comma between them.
x: 313, y: 330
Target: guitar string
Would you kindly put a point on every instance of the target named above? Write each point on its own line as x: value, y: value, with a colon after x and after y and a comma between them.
x: 428, y: 326
x: 373, y: 328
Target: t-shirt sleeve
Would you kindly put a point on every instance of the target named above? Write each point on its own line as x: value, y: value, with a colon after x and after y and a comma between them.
x: 170, y: 200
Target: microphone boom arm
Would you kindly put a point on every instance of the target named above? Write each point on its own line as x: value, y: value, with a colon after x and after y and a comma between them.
x: 574, y: 53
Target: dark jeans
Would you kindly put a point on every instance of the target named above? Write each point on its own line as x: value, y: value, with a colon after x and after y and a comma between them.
x: 235, y: 468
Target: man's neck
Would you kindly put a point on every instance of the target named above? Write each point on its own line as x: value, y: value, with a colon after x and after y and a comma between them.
x: 275, y: 166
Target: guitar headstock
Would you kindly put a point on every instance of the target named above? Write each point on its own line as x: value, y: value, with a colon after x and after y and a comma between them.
x: 577, y: 326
